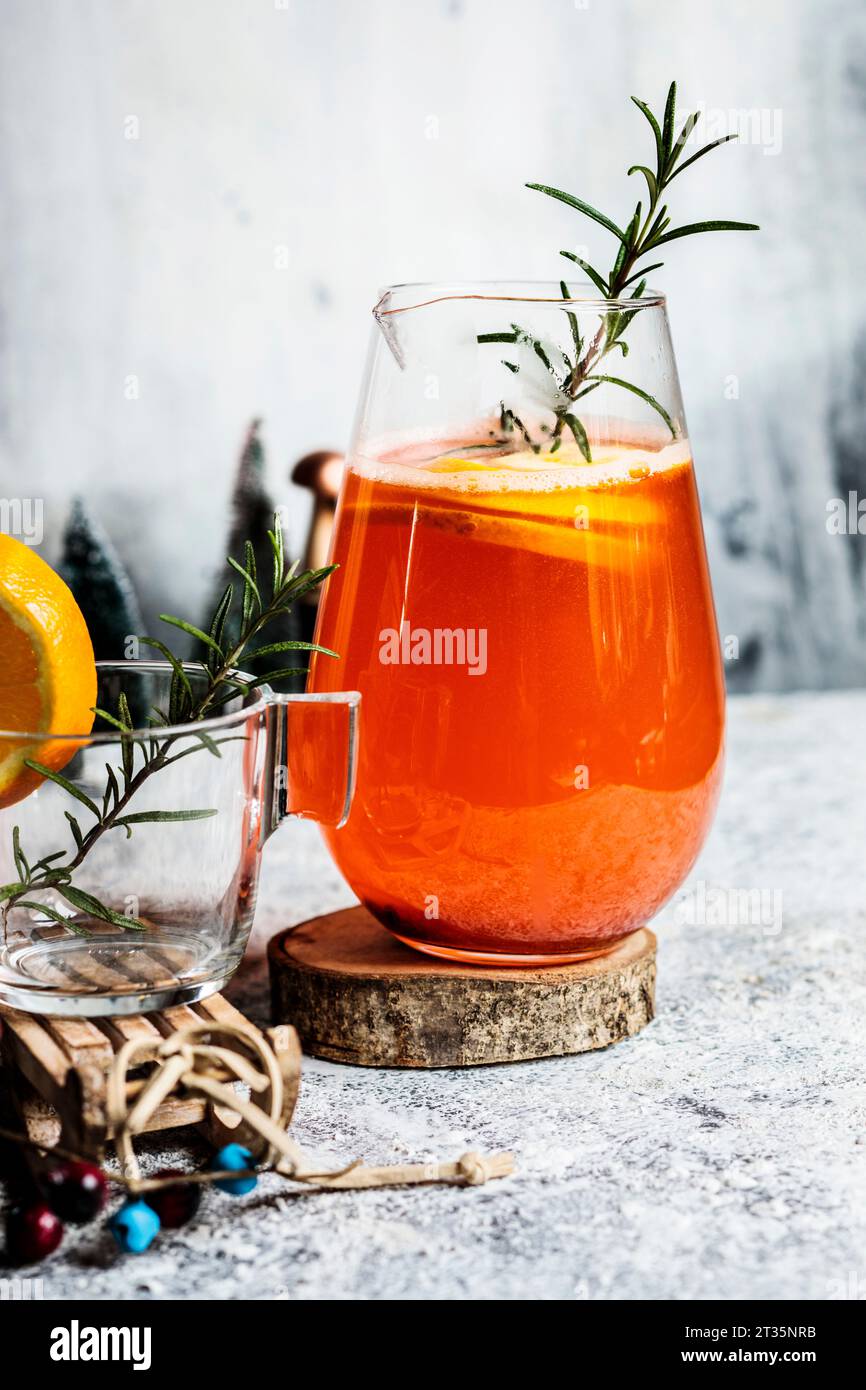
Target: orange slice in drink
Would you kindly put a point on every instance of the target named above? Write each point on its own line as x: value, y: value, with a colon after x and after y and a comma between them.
x: 590, y: 527
x: 47, y: 672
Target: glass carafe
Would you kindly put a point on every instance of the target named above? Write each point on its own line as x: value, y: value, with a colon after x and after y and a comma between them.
x: 524, y: 604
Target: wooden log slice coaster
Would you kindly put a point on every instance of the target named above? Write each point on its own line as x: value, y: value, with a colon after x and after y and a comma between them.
x: 357, y: 995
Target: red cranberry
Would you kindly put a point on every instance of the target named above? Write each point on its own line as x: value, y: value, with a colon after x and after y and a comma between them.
x: 174, y: 1205
x: 32, y: 1233
x: 75, y: 1191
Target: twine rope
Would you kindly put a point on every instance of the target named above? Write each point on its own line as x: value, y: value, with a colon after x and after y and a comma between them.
x: 191, y: 1061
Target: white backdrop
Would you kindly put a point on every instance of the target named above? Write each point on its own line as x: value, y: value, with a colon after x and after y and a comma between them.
x: 201, y: 197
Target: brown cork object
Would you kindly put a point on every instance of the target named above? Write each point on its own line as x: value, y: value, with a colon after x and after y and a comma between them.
x: 357, y: 995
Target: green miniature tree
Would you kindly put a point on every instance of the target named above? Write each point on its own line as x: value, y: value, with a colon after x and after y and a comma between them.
x: 103, y: 590
x: 252, y: 519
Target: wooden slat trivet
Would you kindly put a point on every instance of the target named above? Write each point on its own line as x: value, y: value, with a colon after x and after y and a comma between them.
x: 357, y: 995
x: 58, y: 1067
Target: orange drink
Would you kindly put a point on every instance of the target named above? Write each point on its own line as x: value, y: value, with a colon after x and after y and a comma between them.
x: 542, y: 712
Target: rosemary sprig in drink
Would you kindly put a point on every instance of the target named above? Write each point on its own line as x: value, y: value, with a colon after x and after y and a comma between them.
x: 575, y: 376
x: 222, y: 682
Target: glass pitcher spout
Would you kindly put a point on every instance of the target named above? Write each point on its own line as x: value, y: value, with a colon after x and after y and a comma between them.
x: 311, y: 751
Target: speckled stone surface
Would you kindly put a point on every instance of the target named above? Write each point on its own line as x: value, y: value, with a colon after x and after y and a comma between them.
x: 720, y: 1154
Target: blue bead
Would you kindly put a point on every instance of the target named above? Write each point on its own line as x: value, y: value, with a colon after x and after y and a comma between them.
x: 234, y: 1157
x: 134, y: 1226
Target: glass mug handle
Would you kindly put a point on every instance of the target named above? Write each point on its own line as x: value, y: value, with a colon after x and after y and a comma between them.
x: 312, y: 754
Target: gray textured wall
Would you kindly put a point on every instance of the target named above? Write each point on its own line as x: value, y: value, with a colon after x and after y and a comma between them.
x: 292, y: 156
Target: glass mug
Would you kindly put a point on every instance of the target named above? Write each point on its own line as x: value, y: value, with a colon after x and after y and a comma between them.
x: 174, y: 899
x: 532, y: 632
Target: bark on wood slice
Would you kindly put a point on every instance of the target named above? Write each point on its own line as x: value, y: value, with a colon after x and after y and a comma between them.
x: 356, y: 995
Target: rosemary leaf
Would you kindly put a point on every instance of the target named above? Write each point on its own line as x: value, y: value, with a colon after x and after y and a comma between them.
x: 176, y: 698
x: 580, y: 436
x: 48, y: 880
x: 48, y: 859
x: 123, y: 710
x: 192, y: 631
x: 541, y: 354
x: 651, y: 180
x: 218, y: 622
x: 69, y: 787
x: 206, y: 742
x: 644, y: 271
x: 252, y: 597
x: 594, y: 276
x: 111, y: 719
x: 274, y: 647
x: 175, y: 664
x: 656, y: 129
x: 686, y: 131
x: 644, y: 395
x: 85, y: 902
x: 662, y: 220
x: 296, y: 588
x: 723, y: 140
x: 20, y: 862
x: 127, y: 745
x: 250, y: 590
x: 580, y: 206
x: 112, y: 790
x: 694, y: 227
x: 572, y: 322
x: 668, y: 125
x: 149, y: 817
x: 54, y: 915
x: 593, y: 386
x: 279, y: 675
x: 75, y: 828
x: 276, y: 539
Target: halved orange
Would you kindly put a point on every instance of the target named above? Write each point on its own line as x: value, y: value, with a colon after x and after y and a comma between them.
x: 47, y: 672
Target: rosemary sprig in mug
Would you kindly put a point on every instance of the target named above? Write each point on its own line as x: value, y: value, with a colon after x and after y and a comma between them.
x: 222, y: 682
x: 645, y: 234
